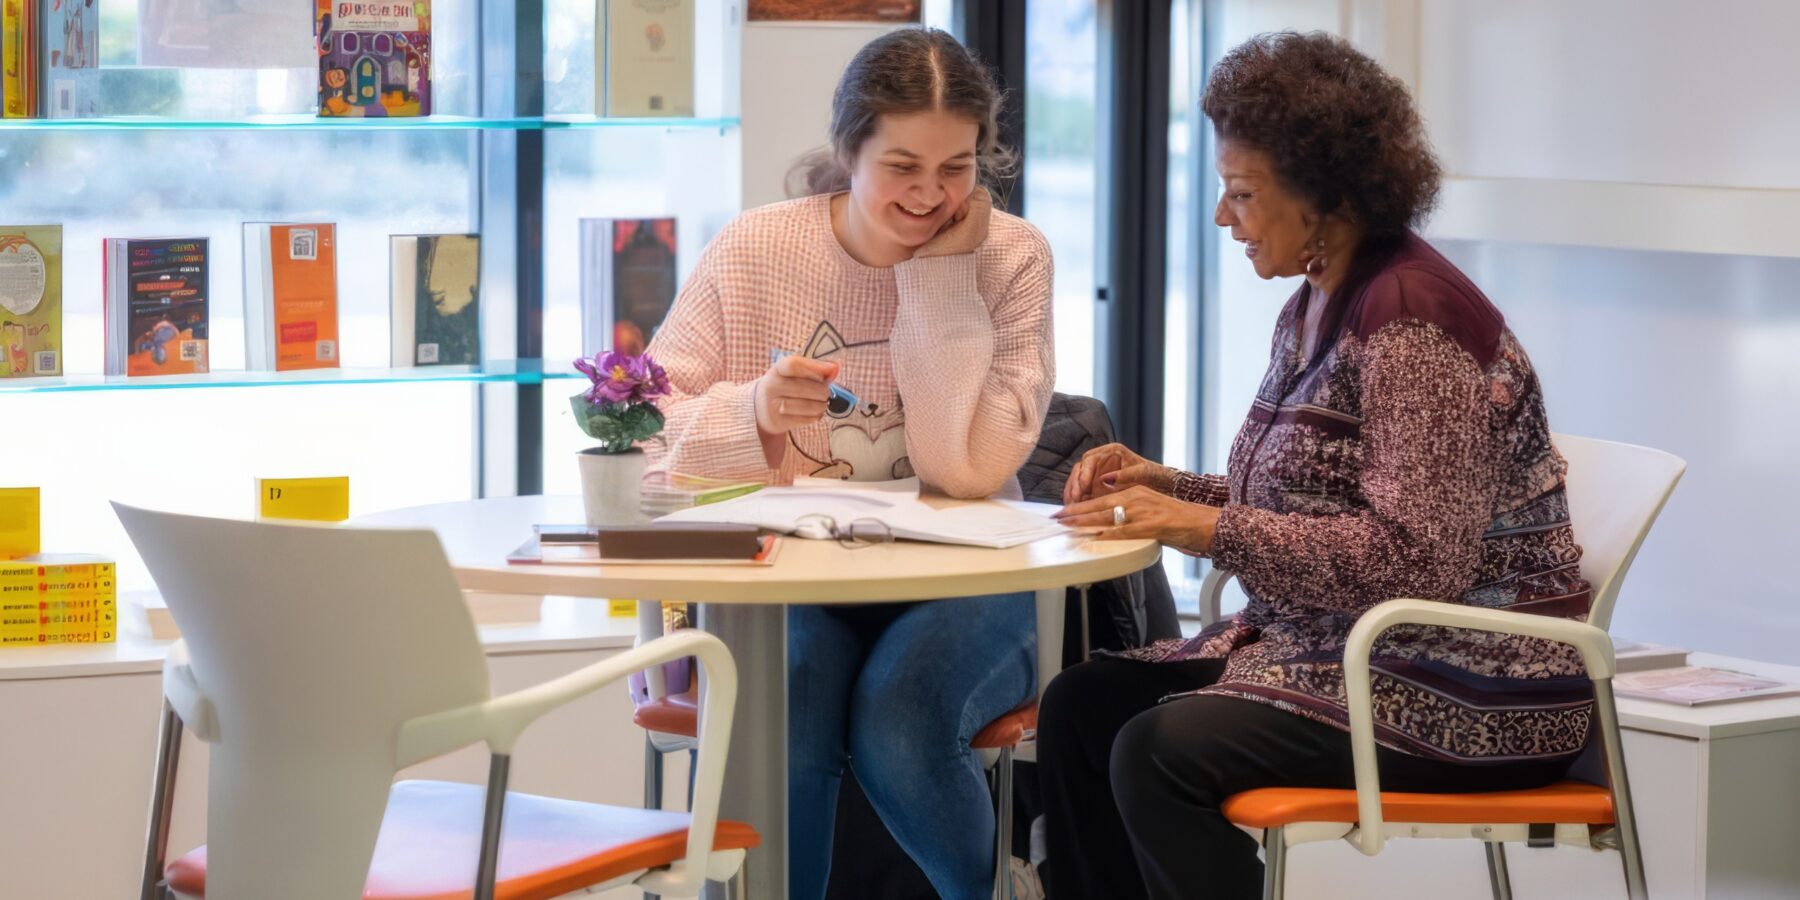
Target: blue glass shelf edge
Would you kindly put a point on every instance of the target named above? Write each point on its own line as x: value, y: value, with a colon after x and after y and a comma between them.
x: 526, y: 371
x: 305, y: 122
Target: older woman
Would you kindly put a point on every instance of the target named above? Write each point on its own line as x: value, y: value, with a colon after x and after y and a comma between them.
x: 1398, y: 447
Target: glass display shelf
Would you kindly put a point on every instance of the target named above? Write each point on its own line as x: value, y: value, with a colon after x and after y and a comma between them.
x: 307, y: 122
x: 512, y: 371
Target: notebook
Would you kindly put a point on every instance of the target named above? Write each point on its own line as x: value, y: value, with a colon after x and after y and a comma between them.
x: 851, y: 510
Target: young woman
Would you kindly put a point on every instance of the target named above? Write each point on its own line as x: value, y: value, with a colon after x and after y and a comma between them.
x: 896, y: 280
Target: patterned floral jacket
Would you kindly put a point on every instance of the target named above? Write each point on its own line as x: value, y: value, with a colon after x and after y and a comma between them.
x: 1410, y: 457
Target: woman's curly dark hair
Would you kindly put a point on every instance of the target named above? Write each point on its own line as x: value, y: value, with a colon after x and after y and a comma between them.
x: 1341, y: 131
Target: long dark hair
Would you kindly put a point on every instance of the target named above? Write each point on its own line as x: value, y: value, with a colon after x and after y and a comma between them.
x: 910, y: 70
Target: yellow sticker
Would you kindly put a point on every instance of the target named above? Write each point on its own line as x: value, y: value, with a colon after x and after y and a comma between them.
x: 621, y: 609
x: 311, y: 499
x: 18, y: 522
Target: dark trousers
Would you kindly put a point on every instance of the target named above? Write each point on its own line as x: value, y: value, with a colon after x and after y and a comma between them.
x: 1133, y: 787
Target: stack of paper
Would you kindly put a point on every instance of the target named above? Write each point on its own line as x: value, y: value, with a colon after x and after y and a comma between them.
x: 844, y: 509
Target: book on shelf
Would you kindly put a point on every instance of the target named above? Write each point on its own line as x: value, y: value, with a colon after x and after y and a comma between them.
x: 71, y: 59
x: 19, y: 62
x: 436, y: 299
x: 146, y: 615
x: 31, y: 300
x: 628, y: 282
x: 157, y: 312
x: 648, y: 48
x: 290, y: 296
x: 374, y: 57
x: 834, y: 11
x: 58, y: 599
x: 1699, y: 686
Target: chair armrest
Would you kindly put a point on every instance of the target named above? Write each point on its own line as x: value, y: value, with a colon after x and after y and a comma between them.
x: 501, y: 720
x: 1595, y: 647
x: 1210, y: 592
x: 183, y: 692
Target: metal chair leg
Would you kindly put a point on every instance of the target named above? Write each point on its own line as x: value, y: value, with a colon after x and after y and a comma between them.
x: 693, y: 772
x: 653, y: 784
x: 162, y: 803
x: 738, y: 888
x: 1003, y: 824
x: 1623, y: 812
x: 1274, y: 863
x: 1498, y: 879
x: 653, y: 775
x: 499, y: 766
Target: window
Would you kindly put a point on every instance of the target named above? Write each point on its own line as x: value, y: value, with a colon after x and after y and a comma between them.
x: 199, y: 449
x: 1061, y: 49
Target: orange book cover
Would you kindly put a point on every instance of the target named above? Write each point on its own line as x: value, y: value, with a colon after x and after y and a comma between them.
x: 303, y: 285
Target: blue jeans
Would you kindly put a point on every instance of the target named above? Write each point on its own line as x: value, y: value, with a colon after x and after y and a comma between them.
x: 898, y: 691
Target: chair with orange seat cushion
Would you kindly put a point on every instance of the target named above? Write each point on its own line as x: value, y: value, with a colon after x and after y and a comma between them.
x: 1615, y: 493
x: 318, y: 662
x: 671, y: 717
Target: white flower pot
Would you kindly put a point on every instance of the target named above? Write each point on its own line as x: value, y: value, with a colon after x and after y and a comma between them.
x: 612, y: 486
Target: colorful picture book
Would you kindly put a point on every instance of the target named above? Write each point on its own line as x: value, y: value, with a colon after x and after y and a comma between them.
x: 19, y: 63
x: 374, y: 57
x: 628, y: 282
x: 157, y: 307
x: 436, y: 299
x: 290, y: 296
x: 30, y: 301
x: 58, y: 599
x: 834, y: 10
x: 71, y: 59
x: 648, y: 46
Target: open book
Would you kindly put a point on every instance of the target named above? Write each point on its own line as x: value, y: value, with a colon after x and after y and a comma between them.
x: 879, y: 511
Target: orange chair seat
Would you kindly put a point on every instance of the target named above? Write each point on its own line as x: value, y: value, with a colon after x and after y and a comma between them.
x: 672, y: 714
x: 1010, y: 729
x: 431, y: 839
x: 1565, y: 803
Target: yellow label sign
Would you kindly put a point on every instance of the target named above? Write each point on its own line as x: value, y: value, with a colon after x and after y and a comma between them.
x: 311, y: 499
x: 621, y: 609
x: 18, y: 522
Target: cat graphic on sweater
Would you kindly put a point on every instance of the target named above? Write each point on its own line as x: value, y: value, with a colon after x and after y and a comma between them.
x: 867, y: 442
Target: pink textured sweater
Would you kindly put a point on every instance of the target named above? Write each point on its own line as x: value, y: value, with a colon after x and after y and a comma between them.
x: 951, y: 356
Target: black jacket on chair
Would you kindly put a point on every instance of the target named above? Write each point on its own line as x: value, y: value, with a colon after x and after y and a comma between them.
x: 1126, y: 612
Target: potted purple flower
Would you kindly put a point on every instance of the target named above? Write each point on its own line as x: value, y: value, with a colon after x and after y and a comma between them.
x: 619, y: 410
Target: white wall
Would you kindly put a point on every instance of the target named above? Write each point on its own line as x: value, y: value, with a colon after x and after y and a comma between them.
x: 790, y: 72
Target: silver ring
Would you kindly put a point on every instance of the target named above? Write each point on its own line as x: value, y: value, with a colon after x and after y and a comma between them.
x: 1118, y: 516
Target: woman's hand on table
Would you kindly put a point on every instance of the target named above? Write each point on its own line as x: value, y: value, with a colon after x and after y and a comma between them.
x: 1111, y: 468
x: 1148, y: 515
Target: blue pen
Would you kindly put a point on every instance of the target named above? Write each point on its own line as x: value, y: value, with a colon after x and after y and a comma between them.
x: 838, y: 391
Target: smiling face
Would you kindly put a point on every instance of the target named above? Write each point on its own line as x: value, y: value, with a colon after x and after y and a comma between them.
x: 910, y: 178
x: 1271, y: 221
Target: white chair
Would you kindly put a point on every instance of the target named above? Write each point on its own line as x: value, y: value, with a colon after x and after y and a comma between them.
x: 1615, y: 493
x: 317, y: 662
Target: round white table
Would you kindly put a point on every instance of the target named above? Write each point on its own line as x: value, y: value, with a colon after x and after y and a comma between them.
x: 746, y: 607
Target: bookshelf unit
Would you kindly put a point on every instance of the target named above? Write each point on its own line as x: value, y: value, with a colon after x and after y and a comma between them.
x: 515, y: 154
